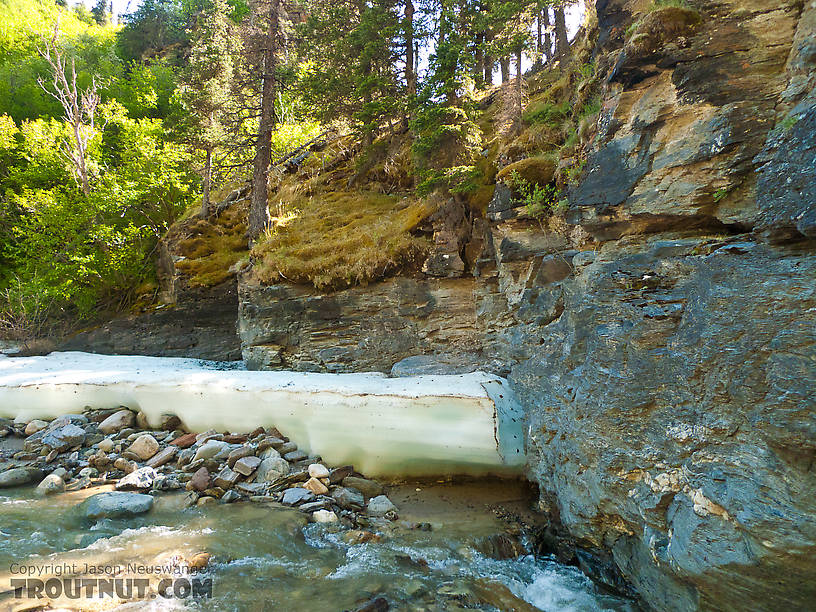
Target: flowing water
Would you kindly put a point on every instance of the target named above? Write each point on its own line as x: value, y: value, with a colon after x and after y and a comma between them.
x: 269, y: 558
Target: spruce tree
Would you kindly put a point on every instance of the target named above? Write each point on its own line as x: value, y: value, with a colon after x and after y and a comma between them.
x: 206, y: 88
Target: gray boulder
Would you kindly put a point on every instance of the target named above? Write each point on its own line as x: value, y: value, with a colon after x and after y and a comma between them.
x: 114, y: 504
x: 19, y: 476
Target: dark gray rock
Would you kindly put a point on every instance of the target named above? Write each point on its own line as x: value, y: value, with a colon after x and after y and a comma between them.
x: 296, y: 496
x: 671, y: 418
x: 63, y: 437
x: 350, y: 499
x: 19, y: 476
x: 114, y: 504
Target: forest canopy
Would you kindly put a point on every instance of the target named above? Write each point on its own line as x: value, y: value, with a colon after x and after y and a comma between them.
x: 112, y: 128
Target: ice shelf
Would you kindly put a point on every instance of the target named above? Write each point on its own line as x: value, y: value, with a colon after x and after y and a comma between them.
x: 399, y: 427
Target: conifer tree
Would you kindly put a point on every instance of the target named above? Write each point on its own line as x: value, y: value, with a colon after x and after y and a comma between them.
x: 206, y: 88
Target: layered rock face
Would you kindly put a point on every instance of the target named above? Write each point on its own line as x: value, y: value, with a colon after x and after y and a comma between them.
x: 671, y: 406
x: 663, y: 340
x: 200, y: 323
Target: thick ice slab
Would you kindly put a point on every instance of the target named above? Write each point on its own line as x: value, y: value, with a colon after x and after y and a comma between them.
x: 414, y: 426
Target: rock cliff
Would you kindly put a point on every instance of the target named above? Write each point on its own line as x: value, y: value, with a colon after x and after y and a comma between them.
x: 662, y: 335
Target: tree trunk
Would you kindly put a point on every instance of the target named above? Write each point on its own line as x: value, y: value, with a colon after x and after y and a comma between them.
x: 562, y: 43
x: 489, y: 61
x: 519, y: 90
x: 410, y: 73
x: 259, y: 207
x: 205, y: 197
x: 504, y: 62
x: 479, y: 66
x: 545, y: 22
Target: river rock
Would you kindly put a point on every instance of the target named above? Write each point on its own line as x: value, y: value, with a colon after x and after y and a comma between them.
x: 169, y: 422
x: 239, y: 453
x: 350, y: 499
x: 185, y: 440
x: 63, y: 437
x: 338, y: 474
x: 51, y: 485
x: 296, y: 495
x: 271, y: 469
x: 287, y: 447
x: 268, y: 452
x: 139, y: 479
x: 270, y: 442
x: 105, y: 445
x: 230, y: 496
x: 114, y: 504
x: 380, y: 506
x: 324, y: 516
x: 162, y: 457
x: 125, y: 465
x: 226, y: 478
x: 18, y: 476
x: 211, y: 449
x: 316, y: 487
x: 318, y: 470
x: 200, y: 480
x: 369, y: 488
x: 117, y: 422
x: 247, y: 465
x: 35, y: 426
x: 144, y: 447
x: 295, y: 456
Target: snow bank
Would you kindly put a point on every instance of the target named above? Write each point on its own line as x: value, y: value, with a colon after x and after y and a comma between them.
x: 413, y: 426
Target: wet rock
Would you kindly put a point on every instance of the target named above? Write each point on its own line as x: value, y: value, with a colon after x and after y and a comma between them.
x: 226, y: 478
x: 359, y: 536
x: 114, y: 504
x: 316, y: 487
x: 324, y: 516
x: 500, y: 546
x: 16, y: 477
x: 271, y: 469
x: 35, y: 426
x: 139, y: 479
x: 117, y: 422
x: 247, y: 465
x: 497, y: 595
x: 230, y: 496
x: 369, y: 488
x: 350, y: 499
x: 205, y: 500
x: 380, y: 506
x: 163, y: 457
x: 296, y: 495
x: 51, y: 485
x: 167, y: 483
x: 63, y: 437
x: 144, y: 447
x: 200, y: 480
x: 251, y: 488
x: 318, y: 470
x: 322, y: 503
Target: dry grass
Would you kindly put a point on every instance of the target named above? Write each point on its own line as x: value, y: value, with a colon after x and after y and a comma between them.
x: 338, y: 239
x: 210, y: 247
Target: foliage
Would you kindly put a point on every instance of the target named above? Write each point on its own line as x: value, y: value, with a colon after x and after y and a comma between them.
x: 539, y: 200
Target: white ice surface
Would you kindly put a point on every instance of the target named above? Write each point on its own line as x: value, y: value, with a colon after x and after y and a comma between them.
x: 412, y: 426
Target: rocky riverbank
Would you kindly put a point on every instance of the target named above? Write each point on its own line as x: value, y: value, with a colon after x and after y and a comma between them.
x: 117, y: 447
